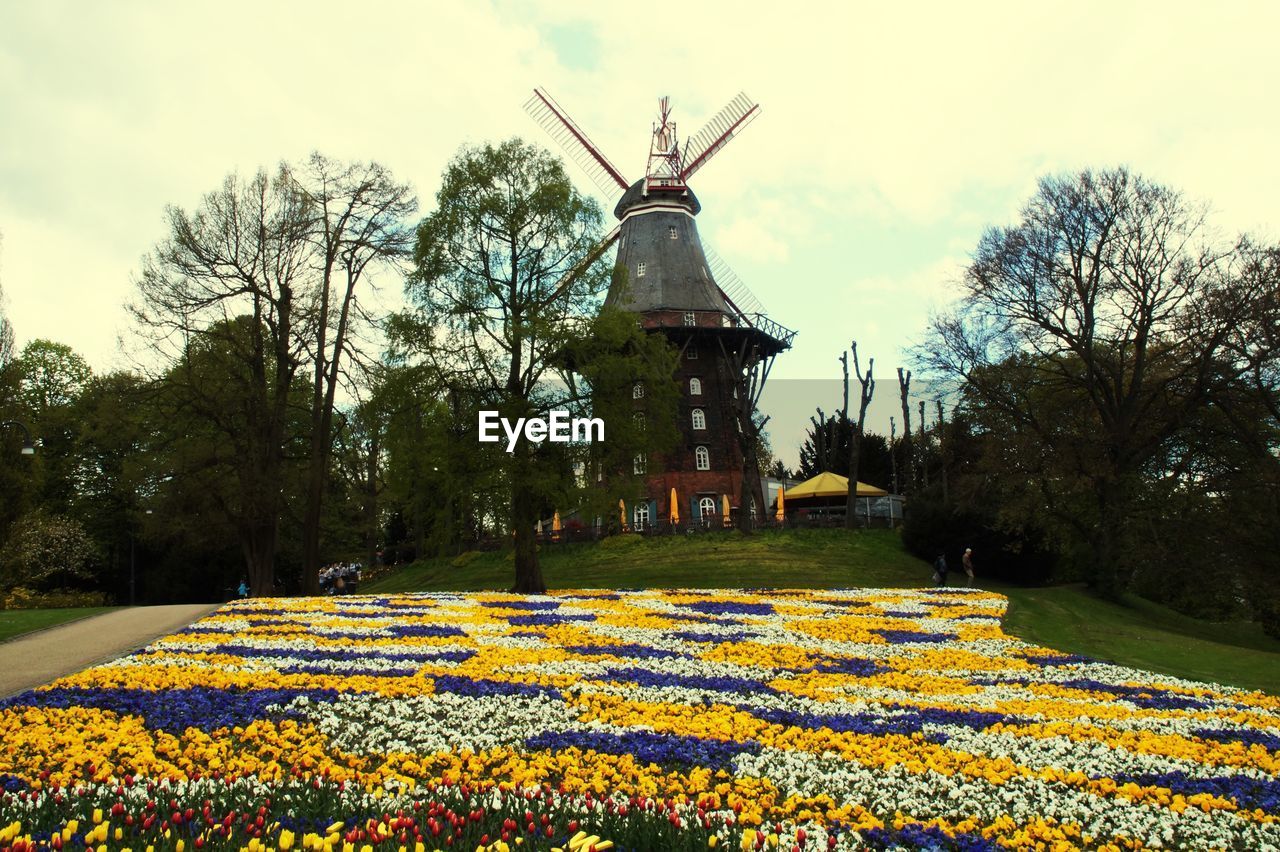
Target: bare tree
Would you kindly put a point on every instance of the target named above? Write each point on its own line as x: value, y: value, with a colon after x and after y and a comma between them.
x: 904, y: 387
x: 868, y: 387
x: 226, y: 279
x: 823, y: 443
x: 893, y: 456
x: 359, y: 221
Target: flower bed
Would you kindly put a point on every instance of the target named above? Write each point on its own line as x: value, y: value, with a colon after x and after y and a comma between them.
x: 645, y: 719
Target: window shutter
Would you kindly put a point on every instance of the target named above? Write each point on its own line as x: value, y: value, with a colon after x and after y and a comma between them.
x: 694, y: 514
x: 653, y: 512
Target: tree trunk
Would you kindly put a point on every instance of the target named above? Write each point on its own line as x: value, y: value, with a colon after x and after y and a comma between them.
x: 909, y: 459
x: 524, y: 514
x: 258, y: 541
x: 311, y: 516
x: 942, y: 452
x: 1107, y: 575
x: 750, y: 482
x: 371, y: 503
x: 855, y: 449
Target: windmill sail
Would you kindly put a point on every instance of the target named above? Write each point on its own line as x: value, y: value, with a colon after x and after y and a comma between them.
x: 727, y: 123
x: 731, y: 284
x: 574, y: 142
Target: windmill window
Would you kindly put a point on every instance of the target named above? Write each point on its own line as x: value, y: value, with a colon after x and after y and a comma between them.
x: 638, y: 417
x: 699, y: 419
x: 640, y: 269
x: 707, y: 507
x: 641, y: 515
x: 703, y: 458
x: 690, y: 318
x: 637, y: 390
x: 639, y: 463
x: 692, y: 353
x: 671, y: 232
x: 695, y: 387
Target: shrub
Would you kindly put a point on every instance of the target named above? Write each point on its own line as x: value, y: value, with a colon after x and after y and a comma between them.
x: 22, y: 598
x: 47, y: 551
x: 621, y: 542
x: 464, y: 559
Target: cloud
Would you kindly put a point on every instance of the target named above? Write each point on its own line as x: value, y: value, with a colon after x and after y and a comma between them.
x: 890, y: 136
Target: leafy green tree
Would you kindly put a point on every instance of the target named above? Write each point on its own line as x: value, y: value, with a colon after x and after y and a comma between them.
x: 51, y: 377
x: 503, y: 289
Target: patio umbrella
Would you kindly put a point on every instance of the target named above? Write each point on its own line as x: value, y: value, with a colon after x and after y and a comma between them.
x: 622, y: 513
x: 675, y: 508
x: 538, y: 528
x: 782, y: 503
x: 555, y: 523
x: 725, y: 503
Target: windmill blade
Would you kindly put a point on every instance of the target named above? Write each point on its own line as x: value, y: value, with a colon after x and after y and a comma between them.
x: 574, y: 142
x: 731, y: 286
x: 583, y: 265
x: 727, y: 123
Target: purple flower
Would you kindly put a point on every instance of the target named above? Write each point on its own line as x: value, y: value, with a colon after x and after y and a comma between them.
x: 1271, y: 742
x: 173, y: 710
x: 637, y: 651
x: 545, y: 619
x: 730, y: 608
x: 650, y: 747
x: 900, y: 637
x: 644, y: 677
x: 438, y: 631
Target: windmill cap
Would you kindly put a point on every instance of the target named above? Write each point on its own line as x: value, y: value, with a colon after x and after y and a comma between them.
x: 634, y: 196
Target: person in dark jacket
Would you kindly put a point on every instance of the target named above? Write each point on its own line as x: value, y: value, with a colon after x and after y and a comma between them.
x: 940, y: 569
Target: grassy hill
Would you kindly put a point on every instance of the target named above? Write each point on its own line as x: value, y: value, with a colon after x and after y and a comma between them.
x: 1135, y: 632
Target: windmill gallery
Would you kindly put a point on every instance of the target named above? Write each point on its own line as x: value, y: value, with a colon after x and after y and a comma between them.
x: 681, y: 290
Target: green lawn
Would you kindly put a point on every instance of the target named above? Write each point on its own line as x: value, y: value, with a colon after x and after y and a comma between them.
x: 15, y: 622
x: 787, y: 559
x: 1136, y: 633
x: 1143, y: 634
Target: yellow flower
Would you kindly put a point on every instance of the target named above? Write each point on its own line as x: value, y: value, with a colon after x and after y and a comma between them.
x: 286, y: 840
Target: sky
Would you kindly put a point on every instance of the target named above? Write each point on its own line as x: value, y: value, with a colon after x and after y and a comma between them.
x: 890, y: 135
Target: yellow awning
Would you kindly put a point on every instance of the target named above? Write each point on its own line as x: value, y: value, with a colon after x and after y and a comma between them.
x: 828, y: 484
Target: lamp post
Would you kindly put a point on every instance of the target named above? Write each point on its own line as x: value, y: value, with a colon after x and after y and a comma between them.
x: 28, y: 445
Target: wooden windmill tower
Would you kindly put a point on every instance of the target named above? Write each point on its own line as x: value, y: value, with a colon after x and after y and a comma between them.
x: 682, y: 290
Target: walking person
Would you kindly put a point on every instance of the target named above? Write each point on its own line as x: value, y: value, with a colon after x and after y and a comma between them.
x: 967, y: 562
x: 243, y: 591
x: 940, y: 569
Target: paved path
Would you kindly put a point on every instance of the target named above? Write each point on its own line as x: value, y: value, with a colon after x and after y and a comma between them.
x: 46, y: 655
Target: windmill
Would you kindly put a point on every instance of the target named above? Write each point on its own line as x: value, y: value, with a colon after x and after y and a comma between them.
x: 682, y: 290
